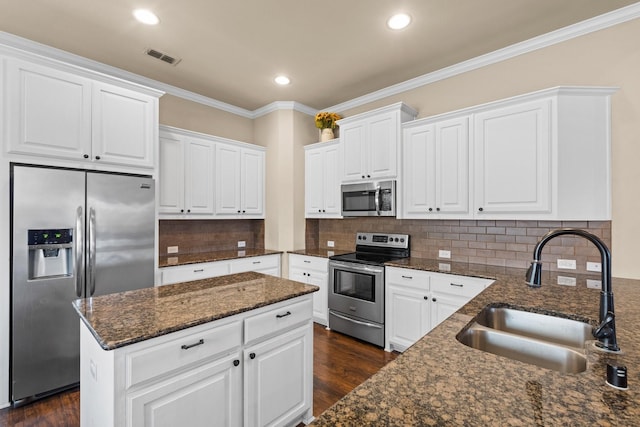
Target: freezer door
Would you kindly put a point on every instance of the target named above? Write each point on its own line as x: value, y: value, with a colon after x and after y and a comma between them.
x: 120, y: 233
x: 45, y: 338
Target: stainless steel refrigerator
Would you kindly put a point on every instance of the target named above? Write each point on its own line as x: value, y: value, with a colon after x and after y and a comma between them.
x: 75, y: 234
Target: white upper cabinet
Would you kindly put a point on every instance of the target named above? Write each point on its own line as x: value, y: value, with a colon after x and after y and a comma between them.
x: 59, y: 114
x: 185, y: 174
x: 436, y: 168
x: 322, y: 179
x: 239, y: 176
x: 545, y: 155
x: 371, y: 142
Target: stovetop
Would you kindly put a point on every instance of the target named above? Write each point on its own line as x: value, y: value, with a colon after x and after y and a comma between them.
x: 377, y: 248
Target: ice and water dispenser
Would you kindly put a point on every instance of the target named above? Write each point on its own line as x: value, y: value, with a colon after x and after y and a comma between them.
x: 50, y: 253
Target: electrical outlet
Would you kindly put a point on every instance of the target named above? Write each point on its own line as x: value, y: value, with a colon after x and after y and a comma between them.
x: 444, y: 254
x: 569, y: 264
x: 242, y: 243
x: 330, y: 243
x: 566, y: 281
x: 443, y: 266
x: 594, y: 284
x: 594, y: 266
x: 172, y: 249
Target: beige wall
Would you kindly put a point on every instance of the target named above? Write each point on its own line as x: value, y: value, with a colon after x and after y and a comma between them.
x: 608, y: 57
x: 180, y: 113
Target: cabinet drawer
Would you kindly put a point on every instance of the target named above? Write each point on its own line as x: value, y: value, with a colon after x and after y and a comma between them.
x: 408, y: 277
x: 277, y: 320
x: 143, y: 365
x: 458, y: 285
x: 257, y: 263
x: 309, y: 262
x: 191, y: 272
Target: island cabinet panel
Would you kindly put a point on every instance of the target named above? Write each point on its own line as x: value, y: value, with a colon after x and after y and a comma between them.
x: 212, y: 374
x: 418, y: 301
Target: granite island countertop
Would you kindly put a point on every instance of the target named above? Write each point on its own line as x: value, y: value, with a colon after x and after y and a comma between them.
x: 441, y: 382
x: 211, y: 256
x: 128, y: 317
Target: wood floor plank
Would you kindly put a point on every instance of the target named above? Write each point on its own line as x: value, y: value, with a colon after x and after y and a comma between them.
x: 340, y: 364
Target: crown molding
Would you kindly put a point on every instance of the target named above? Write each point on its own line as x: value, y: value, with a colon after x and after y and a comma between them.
x: 284, y: 105
x: 588, y: 26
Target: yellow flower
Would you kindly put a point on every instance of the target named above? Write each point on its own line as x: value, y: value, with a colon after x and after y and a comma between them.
x: 326, y: 120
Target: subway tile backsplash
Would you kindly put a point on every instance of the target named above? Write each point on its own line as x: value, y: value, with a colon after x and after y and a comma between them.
x: 501, y: 243
x: 197, y: 236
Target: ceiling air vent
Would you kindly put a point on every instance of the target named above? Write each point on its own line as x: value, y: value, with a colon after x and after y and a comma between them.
x: 163, y: 56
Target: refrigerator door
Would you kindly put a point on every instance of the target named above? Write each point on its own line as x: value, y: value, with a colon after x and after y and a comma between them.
x: 45, y: 336
x: 120, y: 233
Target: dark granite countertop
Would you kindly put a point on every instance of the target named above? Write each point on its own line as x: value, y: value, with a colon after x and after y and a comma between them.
x: 183, y: 259
x: 124, y: 318
x: 321, y: 253
x: 441, y: 382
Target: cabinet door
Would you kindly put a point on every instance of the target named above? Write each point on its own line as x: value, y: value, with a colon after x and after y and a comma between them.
x: 419, y: 171
x: 49, y: 111
x: 408, y: 316
x: 252, y: 182
x: 320, y: 298
x: 512, y: 159
x: 278, y: 378
x: 452, y: 166
x: 382, y: 146
x: 444, y: 306
x: 210, y: 395
x: 124, y: 126
x: 198, y: 179
x: 331, y: 180
x: 171, y: 174
x: 314, y: 183
x: 354, y: 146
x: 227, y: 174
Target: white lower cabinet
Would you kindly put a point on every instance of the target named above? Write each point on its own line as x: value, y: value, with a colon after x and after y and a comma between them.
x: 267, y: 264
x: 417, y: 301
x: 313, y: 271
x: 207, y: 375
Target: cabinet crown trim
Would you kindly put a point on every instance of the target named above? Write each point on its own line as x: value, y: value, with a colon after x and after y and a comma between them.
x: 209, y: 137
x: 398, y: 106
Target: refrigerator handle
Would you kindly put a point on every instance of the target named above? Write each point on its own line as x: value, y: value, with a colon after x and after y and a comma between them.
x: 79, y: 248
x: 92, y: 252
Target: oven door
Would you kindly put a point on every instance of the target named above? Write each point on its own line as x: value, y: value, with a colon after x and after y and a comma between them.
x: 357, y: 290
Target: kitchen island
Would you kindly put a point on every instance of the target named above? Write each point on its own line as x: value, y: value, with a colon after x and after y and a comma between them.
x: 441, y: 382
x: 222, y: 351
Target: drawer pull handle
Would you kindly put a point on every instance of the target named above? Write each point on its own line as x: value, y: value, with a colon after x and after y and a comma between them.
x: 200, y: 270
x: 407, y: 277
x: 252, y: 356
x: 257, y: 262
x: 236, y: 362
x: 458, y: 285
x: 187, y: 347
x: 280, y: 316
x: 307, y: 261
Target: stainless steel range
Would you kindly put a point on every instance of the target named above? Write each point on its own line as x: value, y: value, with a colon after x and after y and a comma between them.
x: 356, y: 285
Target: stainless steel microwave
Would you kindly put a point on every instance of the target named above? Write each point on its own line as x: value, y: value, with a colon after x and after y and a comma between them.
x: 369, y: 199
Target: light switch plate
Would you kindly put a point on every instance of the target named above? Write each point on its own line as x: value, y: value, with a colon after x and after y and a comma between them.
x: 330, y: 243
x: 172, y: 249
x: 594, y: 284
x: 566, y: 281
x: 594, y: 266
x: 444, y: 254
x: 242, y: 243
x: 569, y: 264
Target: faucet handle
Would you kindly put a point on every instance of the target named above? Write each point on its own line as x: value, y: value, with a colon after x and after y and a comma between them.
x: 606, y: 333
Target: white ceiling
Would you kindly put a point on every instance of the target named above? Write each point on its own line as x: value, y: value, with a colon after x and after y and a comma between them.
x: 333, y: 50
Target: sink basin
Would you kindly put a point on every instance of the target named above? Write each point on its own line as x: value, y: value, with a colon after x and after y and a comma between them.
x: 546, y: 341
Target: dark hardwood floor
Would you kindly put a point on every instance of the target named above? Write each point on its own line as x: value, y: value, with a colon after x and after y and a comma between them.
x: 340, y: 363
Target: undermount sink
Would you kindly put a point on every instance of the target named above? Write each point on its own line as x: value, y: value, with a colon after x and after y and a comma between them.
x: 538, y: 339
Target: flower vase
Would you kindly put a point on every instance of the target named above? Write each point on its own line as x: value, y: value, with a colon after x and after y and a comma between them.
x: 326, y: 134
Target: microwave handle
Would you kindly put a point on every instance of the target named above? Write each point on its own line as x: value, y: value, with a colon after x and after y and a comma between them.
x: 377, y: 200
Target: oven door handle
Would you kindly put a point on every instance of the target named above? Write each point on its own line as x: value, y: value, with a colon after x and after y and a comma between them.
x: 377, y: 200
x: 356, y: 267
x: 348, y: 319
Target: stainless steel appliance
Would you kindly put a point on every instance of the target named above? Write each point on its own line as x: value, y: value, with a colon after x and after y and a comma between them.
x: 369, y: 199
x: 75, y: 234
x: 356, y: 285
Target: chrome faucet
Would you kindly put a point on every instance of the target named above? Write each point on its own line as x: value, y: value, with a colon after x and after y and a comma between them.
x: 605, y: 333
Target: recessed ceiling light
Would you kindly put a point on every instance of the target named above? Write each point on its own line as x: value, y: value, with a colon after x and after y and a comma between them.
x: 146, y: 16
x: 282, y: 80
x: 399, y: 21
